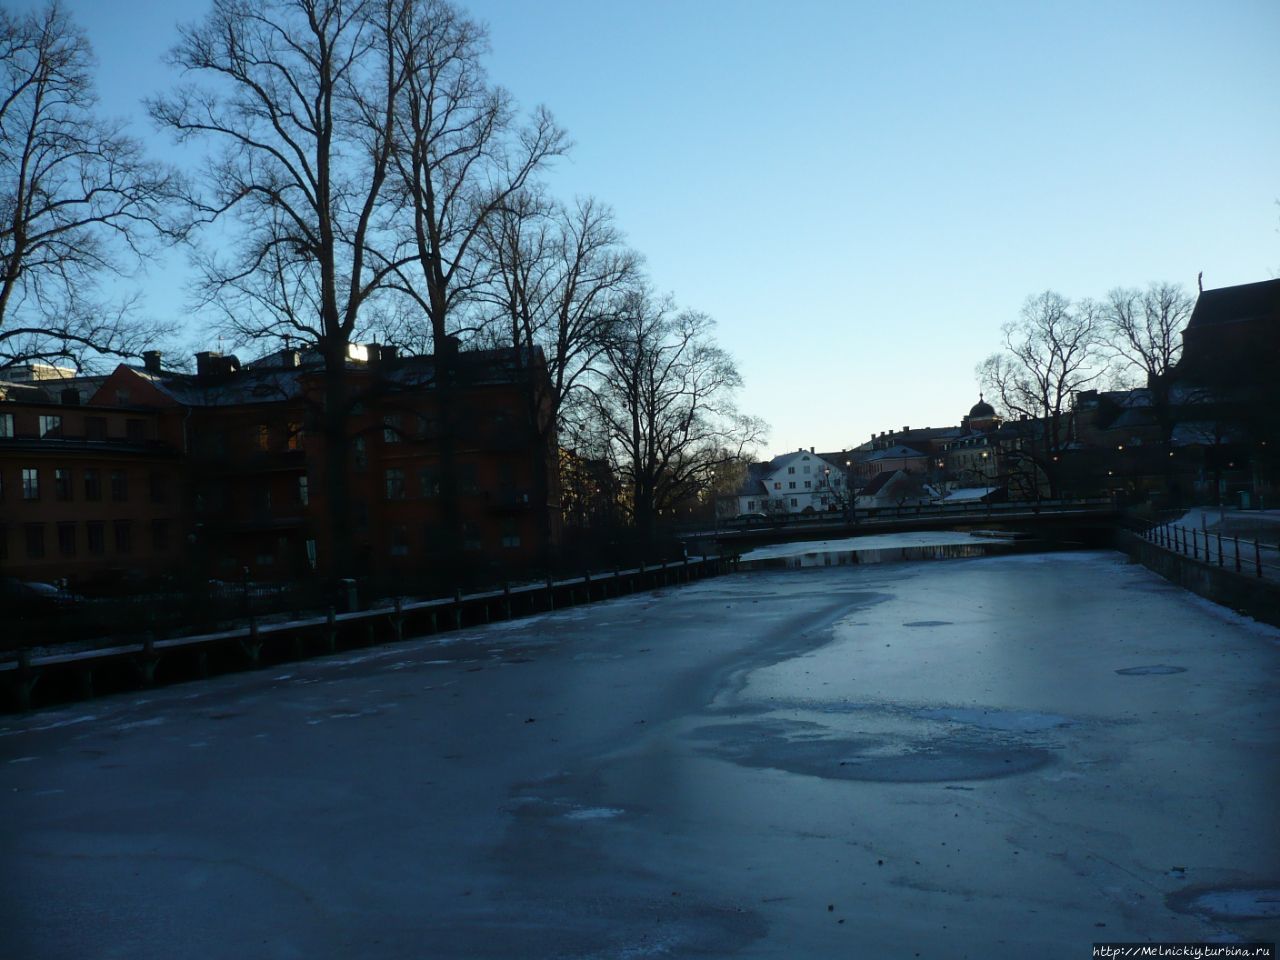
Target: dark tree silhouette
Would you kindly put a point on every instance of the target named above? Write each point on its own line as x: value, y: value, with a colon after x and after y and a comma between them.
x: 79, y: 201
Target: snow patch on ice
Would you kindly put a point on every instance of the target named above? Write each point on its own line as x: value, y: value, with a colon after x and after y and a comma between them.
x: 135, y: 724
x: 594, y: 813
x: 72, y: 721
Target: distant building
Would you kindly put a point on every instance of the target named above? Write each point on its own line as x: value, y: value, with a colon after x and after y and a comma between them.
x: 791, y: 483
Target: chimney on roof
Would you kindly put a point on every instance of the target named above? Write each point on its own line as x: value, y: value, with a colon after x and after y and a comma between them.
x: 71, y: 397
x: 811, y: 450
x: 212, y: 364
x: 905, y: 429
x: 151, y: 361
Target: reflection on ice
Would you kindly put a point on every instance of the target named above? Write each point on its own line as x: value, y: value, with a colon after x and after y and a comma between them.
x: 878, y: 548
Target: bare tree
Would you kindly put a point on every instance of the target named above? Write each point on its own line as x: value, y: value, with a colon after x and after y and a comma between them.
x: 557, y: 279
x: 461, y: 156
x: 299, y: 97
x: 558, y: 275
x: 1144, y: 327
x: 1049, y: 354
x: 79, y: 201
x: 666, y: 399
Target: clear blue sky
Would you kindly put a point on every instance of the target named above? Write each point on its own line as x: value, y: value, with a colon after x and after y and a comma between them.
x: 862, y: 193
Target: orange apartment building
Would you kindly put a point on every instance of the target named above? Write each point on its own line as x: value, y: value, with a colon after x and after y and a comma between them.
x: 221, y: 472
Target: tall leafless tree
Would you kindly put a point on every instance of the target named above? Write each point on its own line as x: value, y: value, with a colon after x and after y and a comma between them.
x: 558, y: 276
x: 299, y: 98
x: 1050, y: 353
x: 461, y: 156
x: 79, y: 201
x: 1143, y: 331
x: 666, y: 399
x: 1143, y: 327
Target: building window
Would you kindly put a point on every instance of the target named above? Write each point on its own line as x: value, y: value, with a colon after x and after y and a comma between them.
x: 806, y: 469
x: 35, y: 541
x: 50, y: 426
x: 395, y: 484
x: 95, y: 538
x: 62, y: 483
x: 808, y: 484
x: 124, y: 536
x: 294, y: 441
x: 262, y: 437
x: 391, y: 428
x: 6, y: 424
x: 467, y: 481
x: 429, y: 482
x: 510, y: 534
x: 791, y: 469
x: 160, y: 536
x: 359, y: 456
x: 791, y: 485
x: 471, y: 536
x: 95, y: 428
x: 158, y: 484
x: 119, y: 486
x: 67, y: 539
x: 304, y: 495
x: 92, y: 484
x: 400, y: 540
x: 795, y: 502
x: 135, y: 430
x: 777, y: 485
x: 30, y: 483
x: 751, y: 504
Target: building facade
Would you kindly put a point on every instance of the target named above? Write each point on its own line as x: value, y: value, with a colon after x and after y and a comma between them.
x: 224, y: 473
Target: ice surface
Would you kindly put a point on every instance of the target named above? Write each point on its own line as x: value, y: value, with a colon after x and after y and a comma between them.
x: 941, y: 753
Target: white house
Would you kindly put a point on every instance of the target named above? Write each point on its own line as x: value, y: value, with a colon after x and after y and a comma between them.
x: 800, y: 482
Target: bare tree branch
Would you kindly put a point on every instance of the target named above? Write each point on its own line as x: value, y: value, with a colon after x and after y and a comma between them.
x: 79, y: 201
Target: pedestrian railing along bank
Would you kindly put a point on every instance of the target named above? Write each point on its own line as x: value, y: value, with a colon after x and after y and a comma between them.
x: 62, y: 674
x: 1242, y: 555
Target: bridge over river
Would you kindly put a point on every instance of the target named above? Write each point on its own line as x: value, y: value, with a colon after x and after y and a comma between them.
x: 1083, y: 521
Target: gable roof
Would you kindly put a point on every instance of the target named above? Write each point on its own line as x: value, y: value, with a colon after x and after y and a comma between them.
x: 879, y: 482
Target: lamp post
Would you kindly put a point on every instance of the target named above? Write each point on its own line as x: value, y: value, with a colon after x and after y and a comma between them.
x: 715, y: 505
x: 850, y: 508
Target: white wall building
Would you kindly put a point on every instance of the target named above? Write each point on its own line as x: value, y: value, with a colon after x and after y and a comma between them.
x: 800, y: 482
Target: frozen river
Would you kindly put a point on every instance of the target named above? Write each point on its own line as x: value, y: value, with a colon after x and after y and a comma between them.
x: 1000, y: 757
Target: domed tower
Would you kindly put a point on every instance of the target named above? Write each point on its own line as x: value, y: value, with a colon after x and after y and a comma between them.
x: 982, y: 417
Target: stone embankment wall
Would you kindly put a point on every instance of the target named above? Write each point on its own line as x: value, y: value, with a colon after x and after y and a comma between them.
x: 1249, y: 594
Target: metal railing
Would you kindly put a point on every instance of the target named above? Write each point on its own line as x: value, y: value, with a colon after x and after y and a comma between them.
x: 1212, y: 548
